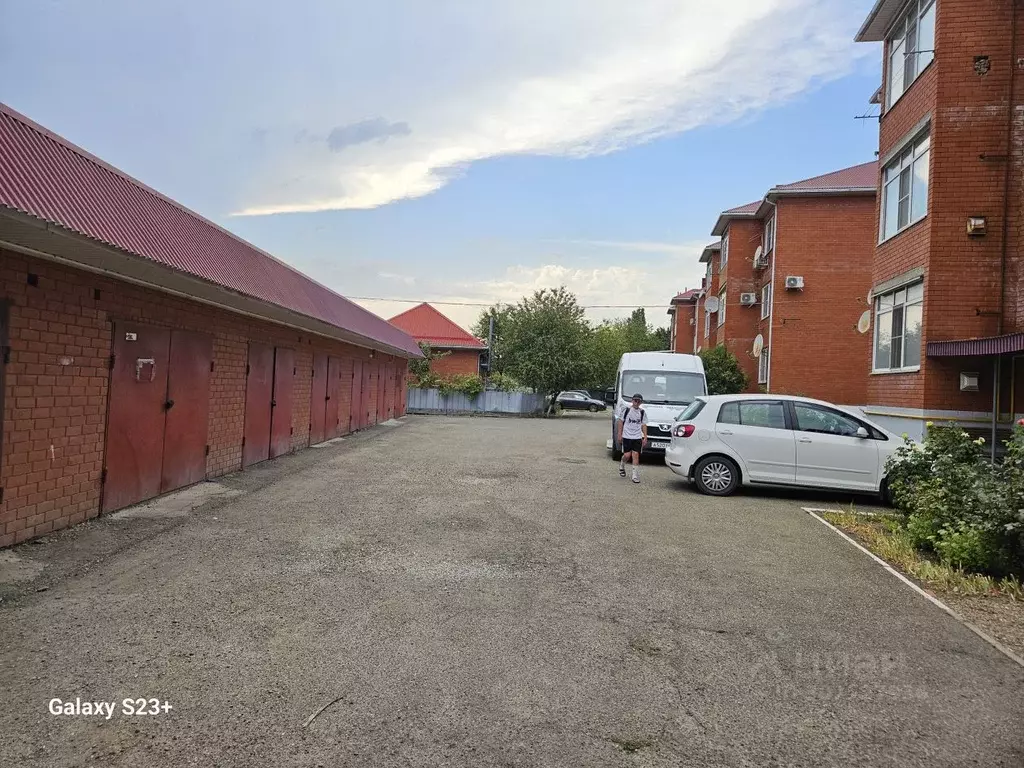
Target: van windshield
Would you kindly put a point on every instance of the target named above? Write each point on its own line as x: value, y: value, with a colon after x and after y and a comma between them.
x: 663, y: 387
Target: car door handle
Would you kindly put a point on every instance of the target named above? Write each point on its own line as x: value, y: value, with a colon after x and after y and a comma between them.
x: 725, y: 432
x: 806, y: 440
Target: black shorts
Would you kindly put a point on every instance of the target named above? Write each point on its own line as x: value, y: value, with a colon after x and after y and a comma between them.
x: 630, y: 446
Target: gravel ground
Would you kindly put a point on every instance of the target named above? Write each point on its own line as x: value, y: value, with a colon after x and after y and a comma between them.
x: 485, y: 592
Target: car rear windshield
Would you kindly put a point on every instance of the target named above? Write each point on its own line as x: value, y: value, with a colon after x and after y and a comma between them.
x: 694, y: 408
x: 663, y: 387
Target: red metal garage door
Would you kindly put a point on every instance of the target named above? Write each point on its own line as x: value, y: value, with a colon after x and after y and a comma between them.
x: 259, y: 389
x: 5, y: 353
x: 389, y: 391
x: 403, y: 388
x: 135, y: 414
x: 281, y: 416
x: 355, y: 407
x: 188, y: 410
x: 364, y: 397
x: 333, y: 397
x: 318, y: 400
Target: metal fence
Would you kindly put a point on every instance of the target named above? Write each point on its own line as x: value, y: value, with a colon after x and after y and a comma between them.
x: 508, y: 403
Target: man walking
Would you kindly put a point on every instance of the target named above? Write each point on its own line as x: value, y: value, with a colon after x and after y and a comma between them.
x: 632, y: 435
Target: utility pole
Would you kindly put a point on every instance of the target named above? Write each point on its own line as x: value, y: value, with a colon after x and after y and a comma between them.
x: 490, y: 348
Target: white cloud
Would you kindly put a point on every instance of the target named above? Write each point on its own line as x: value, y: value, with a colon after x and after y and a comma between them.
x: 558, y: 77
x: 648, y: 284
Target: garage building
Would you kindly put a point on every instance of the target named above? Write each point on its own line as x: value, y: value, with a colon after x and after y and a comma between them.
x: 145, y: 348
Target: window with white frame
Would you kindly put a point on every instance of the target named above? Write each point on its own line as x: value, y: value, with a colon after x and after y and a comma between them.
x: 762, y: 367
x: 766, y: 301
x: 905, y: 188
x: 721, y: 308
x: 898, y: 329
x: 911, y: 48
x: 769, y: 236
x: 707, y: 324
x: 724, y: 258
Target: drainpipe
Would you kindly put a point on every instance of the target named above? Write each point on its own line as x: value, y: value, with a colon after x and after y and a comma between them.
x: 771, y: 293
x: 996, y: 372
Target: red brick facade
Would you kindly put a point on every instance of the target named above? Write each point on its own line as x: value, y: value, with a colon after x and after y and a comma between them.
x: 815, y: 348
x: 735, y: 277
x: 457, y: 362
x: 56, y: 389
x: 973, y: 172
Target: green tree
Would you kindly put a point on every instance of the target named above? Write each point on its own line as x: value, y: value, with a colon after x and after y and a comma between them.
x: 482, y: 328
x: 724, y: 375
x: 544, y: 341
x: 421, y: 368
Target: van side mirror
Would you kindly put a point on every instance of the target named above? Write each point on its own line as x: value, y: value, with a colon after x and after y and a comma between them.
x: 609, y: 395
x: 863, y: 433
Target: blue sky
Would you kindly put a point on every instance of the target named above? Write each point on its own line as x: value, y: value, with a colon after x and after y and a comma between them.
x: 457, y: 151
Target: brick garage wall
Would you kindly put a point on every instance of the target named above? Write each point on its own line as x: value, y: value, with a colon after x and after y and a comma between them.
x: 741, y: 323
x: 55, y: 415
x: 458, y: 362
x: 816, y: 350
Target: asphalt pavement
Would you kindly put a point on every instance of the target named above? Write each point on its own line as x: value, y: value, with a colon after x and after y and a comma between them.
x: 484, y: 592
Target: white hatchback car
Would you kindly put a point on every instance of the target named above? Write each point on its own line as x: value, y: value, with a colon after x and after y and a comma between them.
x: 723, y: 441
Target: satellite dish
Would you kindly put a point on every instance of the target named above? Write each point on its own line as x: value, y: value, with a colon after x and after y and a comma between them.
x: 711, y: 304
x: 864, y: 324
x: 758, y: 346
x: 758, y: 253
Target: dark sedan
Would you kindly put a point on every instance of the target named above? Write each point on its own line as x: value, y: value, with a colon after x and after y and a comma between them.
x: 578, y: 401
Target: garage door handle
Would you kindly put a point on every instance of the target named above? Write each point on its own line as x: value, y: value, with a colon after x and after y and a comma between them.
x: 168, y: 405
x: 328, y: 397
x: 273, y: 403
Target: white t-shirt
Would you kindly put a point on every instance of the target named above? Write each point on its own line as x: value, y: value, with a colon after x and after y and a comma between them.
x: 633, y: 419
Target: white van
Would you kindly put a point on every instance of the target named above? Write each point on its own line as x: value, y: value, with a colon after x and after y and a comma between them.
x: 668, y: 382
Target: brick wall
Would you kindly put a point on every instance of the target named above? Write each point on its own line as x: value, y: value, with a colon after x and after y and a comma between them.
x: 741, y: 323
x: 55, y: 414
x: 683, y: 329
x: 458, y: 362
x: 970, y: 113
x: 816, y: 350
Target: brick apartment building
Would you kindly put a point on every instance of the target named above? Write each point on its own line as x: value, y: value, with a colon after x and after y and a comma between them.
x: 948, y: 277
x: 791, y: 272
x: 683, y: 322
x: 710, y: 257
x: 462, y: 350
x: 145, y: 348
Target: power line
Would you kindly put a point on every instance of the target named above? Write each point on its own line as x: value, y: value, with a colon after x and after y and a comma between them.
x: 491, y: 304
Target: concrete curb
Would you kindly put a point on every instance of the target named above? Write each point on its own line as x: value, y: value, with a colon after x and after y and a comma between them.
x: 813, y: 512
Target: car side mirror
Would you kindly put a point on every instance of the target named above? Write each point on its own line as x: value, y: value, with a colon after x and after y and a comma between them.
x: 863, y: 433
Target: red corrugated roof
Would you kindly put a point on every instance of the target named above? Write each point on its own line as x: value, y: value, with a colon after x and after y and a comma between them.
x: 45, y: 176
x: 424, y: 323
x: 864, y: 176
x: 689, y: 295
x: 1010, y: 343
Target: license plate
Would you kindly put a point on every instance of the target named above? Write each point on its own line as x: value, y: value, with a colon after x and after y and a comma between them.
x: 661, y: 446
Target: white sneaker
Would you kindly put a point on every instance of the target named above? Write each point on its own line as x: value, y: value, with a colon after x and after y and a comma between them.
x: 636, y: 477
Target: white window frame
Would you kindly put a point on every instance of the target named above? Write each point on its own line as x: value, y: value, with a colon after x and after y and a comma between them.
x: 766, y: 301
x: 721, y: 307
x: 903, y: 67
x: 762, y: 365
x: 886, y: 305
x: 913, y: 160
x: 769, y: 236
x: 723, y: 259
x: 707, y: 323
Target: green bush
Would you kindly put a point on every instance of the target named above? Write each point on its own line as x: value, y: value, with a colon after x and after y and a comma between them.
x: 505, y: 383
x: 469, y: 385
x: 959, y: 506
x: 723, y: 372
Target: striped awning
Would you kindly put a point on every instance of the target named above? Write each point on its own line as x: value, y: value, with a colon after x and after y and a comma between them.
x: 991, y: 345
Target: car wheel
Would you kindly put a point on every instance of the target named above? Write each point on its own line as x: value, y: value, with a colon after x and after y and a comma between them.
x: 592, y: 409
x: 886, y: 493
x: 716, y: 476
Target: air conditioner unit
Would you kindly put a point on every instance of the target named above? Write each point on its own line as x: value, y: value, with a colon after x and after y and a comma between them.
x: 760, y: 262
x: 748, y: 299
x: 794, y: 282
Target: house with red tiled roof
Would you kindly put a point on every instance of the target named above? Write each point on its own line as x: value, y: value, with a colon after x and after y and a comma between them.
x: 789, y: 282
x: 145, y: 348
x: 682, y: 311
x: 461, y: 350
